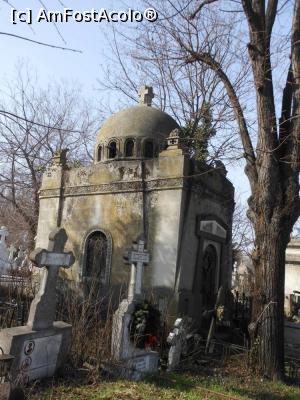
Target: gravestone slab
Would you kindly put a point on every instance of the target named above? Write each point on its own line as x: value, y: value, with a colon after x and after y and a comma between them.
x: 142, y: 364
x: 38, y: 354
x: 41, y: 346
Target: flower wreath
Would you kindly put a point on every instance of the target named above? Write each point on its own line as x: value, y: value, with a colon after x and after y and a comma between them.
x: 145, y: 326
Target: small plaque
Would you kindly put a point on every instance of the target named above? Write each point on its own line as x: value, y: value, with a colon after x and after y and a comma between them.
x: 141, y: 364
x: 56, y: 259
x: 43, y: 356
x: 135, y: 256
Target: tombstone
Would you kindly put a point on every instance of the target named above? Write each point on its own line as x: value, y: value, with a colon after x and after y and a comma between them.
x: 40, y: 346
x: 137, y: 362
x: 4, y: 254
x: 177, y: 341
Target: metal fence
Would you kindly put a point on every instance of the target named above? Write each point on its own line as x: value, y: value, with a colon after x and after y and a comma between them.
x: 16, y: 293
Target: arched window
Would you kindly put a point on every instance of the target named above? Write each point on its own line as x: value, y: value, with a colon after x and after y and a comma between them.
x: 99, y: 153
x: 129, y: 147
x: 112, y: 150
x: 148, y: 149
x: 96, y: 258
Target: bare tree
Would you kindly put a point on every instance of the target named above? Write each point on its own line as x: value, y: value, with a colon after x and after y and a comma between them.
x: 270, y: 146
x: 39, y: 123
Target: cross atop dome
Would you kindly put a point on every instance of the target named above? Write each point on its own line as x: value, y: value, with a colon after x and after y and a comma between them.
x: 146, y: 95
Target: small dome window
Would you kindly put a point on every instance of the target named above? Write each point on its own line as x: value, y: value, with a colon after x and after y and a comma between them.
x: 129, y: 147
x: 99, y: 153
x: 112, y: 150
x: 148, y: 149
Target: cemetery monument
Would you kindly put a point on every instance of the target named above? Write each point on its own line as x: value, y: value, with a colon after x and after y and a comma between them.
x: 39, y: 347
x: 137, y: 362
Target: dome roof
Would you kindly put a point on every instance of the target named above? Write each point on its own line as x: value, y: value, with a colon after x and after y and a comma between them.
x: 138, y: 121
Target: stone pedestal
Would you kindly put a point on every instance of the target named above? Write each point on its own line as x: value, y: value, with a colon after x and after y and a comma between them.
x: 136, y: 362
x: 38, y: 354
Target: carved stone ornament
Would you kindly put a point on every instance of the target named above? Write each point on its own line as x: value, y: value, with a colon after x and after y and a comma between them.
x: 116, y: 187
x: 174, y: 137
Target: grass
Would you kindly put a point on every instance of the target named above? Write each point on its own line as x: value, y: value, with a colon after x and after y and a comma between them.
x: 167, y: 387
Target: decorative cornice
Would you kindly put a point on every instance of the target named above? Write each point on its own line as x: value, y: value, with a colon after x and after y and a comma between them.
x: 115, y: 187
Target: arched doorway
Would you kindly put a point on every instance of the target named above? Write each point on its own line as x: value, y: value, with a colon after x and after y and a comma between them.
x: 96, y: 262
x: 209, y: 276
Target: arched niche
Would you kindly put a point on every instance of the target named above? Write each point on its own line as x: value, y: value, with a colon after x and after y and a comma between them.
x: 129, y: 148
x: 99, y: 153
x: 96, y: 262
x: 112, y: 150
x: 148, y: 148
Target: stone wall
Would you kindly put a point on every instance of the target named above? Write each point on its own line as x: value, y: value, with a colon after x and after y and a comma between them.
x: 167, y: 197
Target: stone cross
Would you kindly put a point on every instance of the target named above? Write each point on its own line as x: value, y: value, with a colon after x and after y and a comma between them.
x: 146, y: 95
x: 43, y: 306
x: 138, y: 256
x: 3, y: 234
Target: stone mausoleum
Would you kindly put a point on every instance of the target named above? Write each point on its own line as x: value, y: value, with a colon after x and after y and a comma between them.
x: 143, y: 181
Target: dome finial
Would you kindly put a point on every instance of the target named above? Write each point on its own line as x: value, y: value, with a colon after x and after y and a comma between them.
x: 146, y: 95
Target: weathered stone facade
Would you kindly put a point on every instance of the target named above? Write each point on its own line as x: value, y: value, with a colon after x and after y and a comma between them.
x: 142, y: 181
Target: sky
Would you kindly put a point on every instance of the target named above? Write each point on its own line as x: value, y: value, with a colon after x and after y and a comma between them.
x: 52, y: 63
x: 83, y: 68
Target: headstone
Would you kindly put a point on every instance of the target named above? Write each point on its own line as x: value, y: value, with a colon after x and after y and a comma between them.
x: 4, y: 254
x: 176, y: 340
x: 137, y: 362
x: 40, y: 347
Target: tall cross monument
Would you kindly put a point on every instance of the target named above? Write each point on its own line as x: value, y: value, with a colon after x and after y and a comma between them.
x: 137, y: 362
x: 41, y: 346
x: 43, y: 307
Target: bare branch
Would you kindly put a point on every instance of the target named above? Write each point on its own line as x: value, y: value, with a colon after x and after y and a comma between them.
x: 245, y: 137
x: 40, y: 43
x: 199, y: 8
x: 7, y: 113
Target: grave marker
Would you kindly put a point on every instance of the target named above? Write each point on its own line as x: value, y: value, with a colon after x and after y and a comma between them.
x: 138, y: 256
x: 136, y: 362
x: 43, y: 307
x: 40, y: 347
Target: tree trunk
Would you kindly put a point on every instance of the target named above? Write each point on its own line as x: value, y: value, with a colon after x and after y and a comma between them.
x: 268, y: 307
